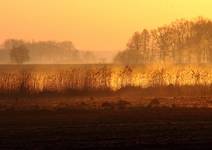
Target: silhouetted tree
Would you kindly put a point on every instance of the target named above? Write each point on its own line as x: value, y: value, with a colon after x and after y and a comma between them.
x: 19, y: 54
x: 182, y: 41
x: 129, y: 56
x: 135, y: 42
x: 11, y: 43
x: 137, y: 49
x: 145, y: 39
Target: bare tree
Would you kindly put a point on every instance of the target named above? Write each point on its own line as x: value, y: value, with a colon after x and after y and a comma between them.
x: 145, y: 40
x: 19, y: 54
x: 129, y: 56
x: 135, y: 42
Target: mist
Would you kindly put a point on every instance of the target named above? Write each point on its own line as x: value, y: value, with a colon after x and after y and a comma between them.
x: 180, y: 42
x: 51, y: 52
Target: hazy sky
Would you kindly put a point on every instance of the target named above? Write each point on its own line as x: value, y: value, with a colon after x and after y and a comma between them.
x: 92, y: 24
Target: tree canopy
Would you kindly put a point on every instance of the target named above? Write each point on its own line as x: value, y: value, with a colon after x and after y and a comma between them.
x: 19, y: 54
x: 180, y: 42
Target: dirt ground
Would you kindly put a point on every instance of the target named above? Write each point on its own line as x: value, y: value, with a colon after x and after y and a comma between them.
x: 133, y: 128
x: 90, y: 102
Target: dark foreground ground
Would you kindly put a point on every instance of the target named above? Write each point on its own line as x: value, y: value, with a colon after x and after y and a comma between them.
x: 138, y: 128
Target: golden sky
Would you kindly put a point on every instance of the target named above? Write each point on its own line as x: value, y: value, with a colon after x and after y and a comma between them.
x: 92, y: 24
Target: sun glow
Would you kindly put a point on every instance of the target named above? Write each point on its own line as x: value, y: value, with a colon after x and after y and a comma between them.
x: 92, y: 24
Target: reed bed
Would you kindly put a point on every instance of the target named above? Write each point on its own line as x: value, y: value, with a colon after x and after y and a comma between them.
x: 33, y: 79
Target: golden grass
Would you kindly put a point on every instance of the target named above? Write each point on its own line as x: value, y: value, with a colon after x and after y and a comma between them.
x: 102, y: 77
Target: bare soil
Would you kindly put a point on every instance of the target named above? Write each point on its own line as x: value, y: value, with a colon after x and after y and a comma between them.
x: 133, y: 128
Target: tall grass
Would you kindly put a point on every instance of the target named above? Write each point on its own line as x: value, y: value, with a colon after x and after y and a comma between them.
x: 35, y: 79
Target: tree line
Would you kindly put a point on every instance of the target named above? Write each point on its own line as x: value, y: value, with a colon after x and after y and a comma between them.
x: 42, y: 52
x: 181, y: 42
